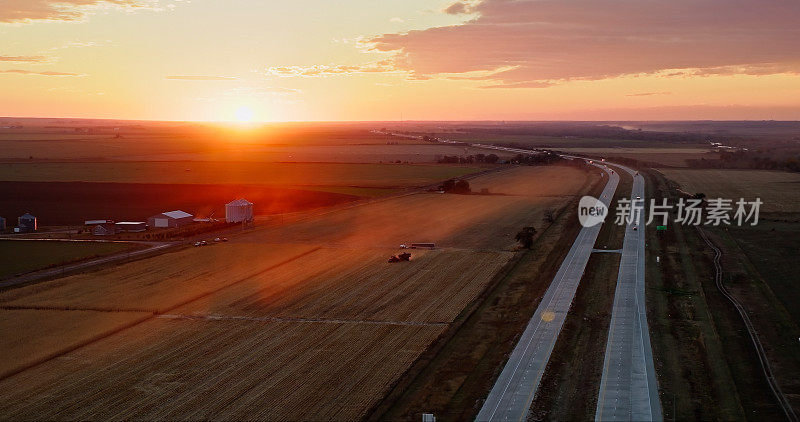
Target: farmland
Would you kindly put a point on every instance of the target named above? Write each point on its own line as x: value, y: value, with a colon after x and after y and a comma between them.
x: 70, y: 203
x: 306, y: 319
x: 777, y: 189
x: 150, y: 141
x: 68, y: 193
x: 706, y: 362
x: 277, y: 174
x: 18, y: 257
x: 672, y: 157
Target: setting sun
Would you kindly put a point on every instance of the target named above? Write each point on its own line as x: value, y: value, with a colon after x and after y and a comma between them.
x: 244, y: 114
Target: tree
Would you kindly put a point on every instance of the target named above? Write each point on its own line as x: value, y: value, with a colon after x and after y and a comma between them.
x: 462, y: 186
x: 449, y: 185
x: 492, y: 158
x: 549, y: 215
x: 525, y: 236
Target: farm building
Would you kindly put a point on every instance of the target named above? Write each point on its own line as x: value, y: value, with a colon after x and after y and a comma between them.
x: 27, y: 223
x: 96, y: 222
x: 104, y: 229
x: 131, y: 226
x: 238, y: 211
x: 170, y: 219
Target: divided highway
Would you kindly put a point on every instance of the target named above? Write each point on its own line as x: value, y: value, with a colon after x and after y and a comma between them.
x: 629, y: 389
x: 512, y: 394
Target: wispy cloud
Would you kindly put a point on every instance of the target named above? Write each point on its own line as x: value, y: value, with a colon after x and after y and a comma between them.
x: 202, y: 78
x: 44, y: 73
x: 458, y: 8
x: 22, y: 11
x: 647, y: 94
x: 551, y: 41
x: 81, y: 44
x: 25, y: 59
x: 321, y: 70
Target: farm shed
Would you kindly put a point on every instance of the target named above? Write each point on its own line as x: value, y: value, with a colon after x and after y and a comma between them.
x: 238, y: 211
x: 170, y: 219
x: 96, y: 222
x: 104, y: 229
x: 131, y: 226
x: 27, y: 223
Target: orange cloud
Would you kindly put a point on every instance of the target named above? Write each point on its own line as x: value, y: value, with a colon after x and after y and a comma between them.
x: 27, y: 59
x: 202, y: 78
x: 55, y: 10
x: 322, y: 70
x: 547, y: 41
x: 47, y: 73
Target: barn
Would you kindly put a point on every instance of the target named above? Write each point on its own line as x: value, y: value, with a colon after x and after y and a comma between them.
x: 175, y: 218
x: 238, y: 211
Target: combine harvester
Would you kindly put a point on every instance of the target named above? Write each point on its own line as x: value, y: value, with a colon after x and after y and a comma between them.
x: 405, y: 256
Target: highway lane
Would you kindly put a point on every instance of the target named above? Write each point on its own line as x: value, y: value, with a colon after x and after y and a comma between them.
x: 629, y: 389
x: 512, y: 394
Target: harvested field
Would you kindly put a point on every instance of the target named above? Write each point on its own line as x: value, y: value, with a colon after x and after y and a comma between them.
x: 18, y: 257
x: 155, y: 284
x: 300, y: 321
x: 151, y: 140
x: 358, y: 284
x: 30, y: 336
x: 779, y: 190
x: 404, y: 152
x: 460, y: 221
x: 168, y: 369
x: 235, y: 173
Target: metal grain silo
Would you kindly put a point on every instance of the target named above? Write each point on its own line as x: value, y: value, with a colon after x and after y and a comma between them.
x: 238, y: 211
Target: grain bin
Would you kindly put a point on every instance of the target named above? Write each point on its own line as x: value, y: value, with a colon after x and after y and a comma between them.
x: 27, y: 223
x: 240, y: 210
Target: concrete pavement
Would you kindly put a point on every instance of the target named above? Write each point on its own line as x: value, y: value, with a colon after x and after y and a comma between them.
x: 513, y: 392
x: 629, y: 389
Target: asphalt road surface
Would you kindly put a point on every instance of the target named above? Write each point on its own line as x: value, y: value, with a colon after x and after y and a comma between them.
x: 628, y: 389
x: 512, y: 394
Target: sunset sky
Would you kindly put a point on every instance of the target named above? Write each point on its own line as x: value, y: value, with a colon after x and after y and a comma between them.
x: 312, y: 60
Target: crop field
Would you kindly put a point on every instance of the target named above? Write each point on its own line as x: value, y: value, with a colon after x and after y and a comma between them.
x: 672, y: 157
x: 69, y: 193
x: 552, y: 141
x: 778, y: 190
x: 157, y: 284
x: 222, y: 370
x: 17, y: 257
x: 301, y: 321
x: 27, y: 346
x: 87, y: 141
x: 369, y: 153
x: 250, y: 173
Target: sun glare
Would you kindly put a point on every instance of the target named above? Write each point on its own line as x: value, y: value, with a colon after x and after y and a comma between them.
x: 244, y: 114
